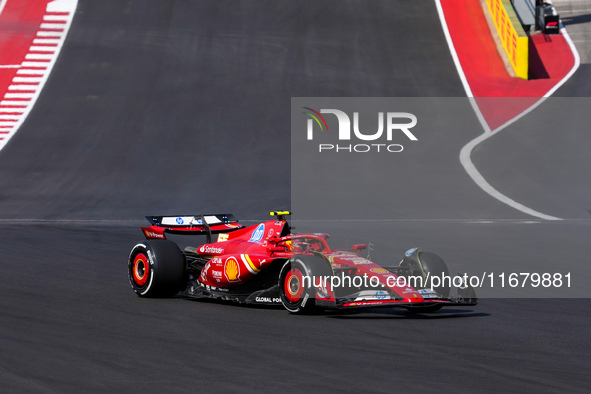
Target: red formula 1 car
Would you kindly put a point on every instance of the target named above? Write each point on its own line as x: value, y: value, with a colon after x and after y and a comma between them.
x: 267, y: 264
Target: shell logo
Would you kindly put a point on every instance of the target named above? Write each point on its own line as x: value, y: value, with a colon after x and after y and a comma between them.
x: 232, y: 269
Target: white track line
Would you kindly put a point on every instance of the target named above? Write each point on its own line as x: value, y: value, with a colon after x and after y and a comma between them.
x: 456, y: 60
x: 466, y: 151
x: 452, y: 49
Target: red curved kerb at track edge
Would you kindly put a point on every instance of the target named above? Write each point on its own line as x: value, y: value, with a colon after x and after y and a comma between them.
x: 551, y: 60
x: 32, y: 33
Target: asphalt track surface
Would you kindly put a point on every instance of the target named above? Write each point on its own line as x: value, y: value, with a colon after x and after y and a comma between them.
x: 183, y: 107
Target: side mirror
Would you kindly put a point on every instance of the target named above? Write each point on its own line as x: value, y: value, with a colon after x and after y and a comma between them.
x: 360, y: 247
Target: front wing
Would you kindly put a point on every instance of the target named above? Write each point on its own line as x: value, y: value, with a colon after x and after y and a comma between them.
x: 466, y: 296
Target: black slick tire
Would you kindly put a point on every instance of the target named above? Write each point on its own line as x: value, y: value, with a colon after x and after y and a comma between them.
x: 156, y: 268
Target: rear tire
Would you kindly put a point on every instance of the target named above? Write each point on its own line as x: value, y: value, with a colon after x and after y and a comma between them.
x: 156, y: 268
x: 297, y: 296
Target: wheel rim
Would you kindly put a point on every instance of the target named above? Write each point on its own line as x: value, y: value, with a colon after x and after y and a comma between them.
x: 140, y: 269
x: 293, y: 285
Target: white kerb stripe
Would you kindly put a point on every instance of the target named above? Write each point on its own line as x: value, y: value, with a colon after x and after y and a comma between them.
x: 14, y: 103
x: 19, y: 95
x: 38, y: 56
x: 49, y: 34
x: 22, y: 87
x: 28, y: 71
x: 42, y: 49
x: 42, y: 55
x: 55, y: 18
x: 35, y: 64
x: 46, y: 41
x: 11, y: 110
x: 10, y: 117
x: 7, y: 123
x: 52, y: 25
x: 25, y: 79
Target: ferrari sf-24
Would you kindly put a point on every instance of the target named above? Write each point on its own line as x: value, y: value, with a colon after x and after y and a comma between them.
x: 268, y: 264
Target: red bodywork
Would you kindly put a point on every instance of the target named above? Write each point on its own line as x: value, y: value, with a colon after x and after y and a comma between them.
x: 241, y: 253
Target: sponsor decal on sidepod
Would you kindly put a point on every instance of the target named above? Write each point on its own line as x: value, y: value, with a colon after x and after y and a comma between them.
x: 211, y: 249
x: 257, y: 234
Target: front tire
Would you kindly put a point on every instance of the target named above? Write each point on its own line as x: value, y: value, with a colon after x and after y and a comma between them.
x: 432, y: 265
x: 156, y: 268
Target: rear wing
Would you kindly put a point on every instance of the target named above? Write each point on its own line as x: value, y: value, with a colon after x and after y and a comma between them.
x: 204, y: 224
